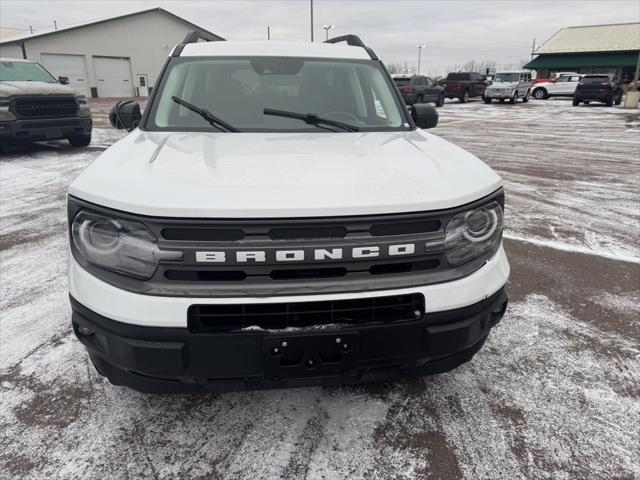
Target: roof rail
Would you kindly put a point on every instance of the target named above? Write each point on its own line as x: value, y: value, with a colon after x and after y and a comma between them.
x: 193, y: 37
x: 354, y: 41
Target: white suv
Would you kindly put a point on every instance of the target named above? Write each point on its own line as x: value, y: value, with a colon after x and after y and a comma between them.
x: 278, y: 218
x: 563, y: 86
x: 509, y: 86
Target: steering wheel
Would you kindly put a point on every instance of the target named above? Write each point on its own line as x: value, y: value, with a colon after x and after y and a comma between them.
x: 350, y: 117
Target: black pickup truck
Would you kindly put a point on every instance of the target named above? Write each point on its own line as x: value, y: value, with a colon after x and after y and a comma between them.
x: 464, y: 85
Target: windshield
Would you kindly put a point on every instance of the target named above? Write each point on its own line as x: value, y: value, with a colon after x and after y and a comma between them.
x: 506, y: 77
x: 24, y: 71
x: 238, y: 90
x: 458, y: 76
x: 594, y: 80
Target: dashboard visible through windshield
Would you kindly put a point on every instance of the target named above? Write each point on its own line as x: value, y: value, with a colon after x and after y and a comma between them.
x: 317, y: 95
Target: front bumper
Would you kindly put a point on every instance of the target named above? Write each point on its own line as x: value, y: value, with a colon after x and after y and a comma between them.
x: 155, y: 360
x: 498, y: 95
x: 21, y: 131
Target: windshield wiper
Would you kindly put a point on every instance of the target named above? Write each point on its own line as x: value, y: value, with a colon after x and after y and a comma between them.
x: 207, y: 115
x: 311, y: 119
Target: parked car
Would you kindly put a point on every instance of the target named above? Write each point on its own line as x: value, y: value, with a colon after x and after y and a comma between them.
x: 598, y: 88
x: 509, y: 86
x: 552, y: 78
x: 563, y: 86
x: 303, y: 231
x: 419, y: 89
x: 35, y: 106
x: 464, y: 85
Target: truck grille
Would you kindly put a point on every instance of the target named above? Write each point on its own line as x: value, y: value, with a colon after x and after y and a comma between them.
x: 44, y: 107
x: 276, y: 316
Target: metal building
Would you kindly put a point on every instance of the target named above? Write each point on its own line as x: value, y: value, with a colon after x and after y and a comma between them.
x: 591, y: 49
x: 116, y: 57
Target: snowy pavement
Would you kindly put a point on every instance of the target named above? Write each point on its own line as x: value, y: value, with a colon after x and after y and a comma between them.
x: 555, y: 392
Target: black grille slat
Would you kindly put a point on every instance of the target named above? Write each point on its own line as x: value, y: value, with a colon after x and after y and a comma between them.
x: 41, y: 107
x: 221, y: 318
x: 203, y: 234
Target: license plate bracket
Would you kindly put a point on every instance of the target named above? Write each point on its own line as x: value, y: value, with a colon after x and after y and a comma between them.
x: 301, y: 356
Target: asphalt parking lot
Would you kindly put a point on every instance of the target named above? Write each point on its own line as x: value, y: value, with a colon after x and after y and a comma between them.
x: 554, y: 394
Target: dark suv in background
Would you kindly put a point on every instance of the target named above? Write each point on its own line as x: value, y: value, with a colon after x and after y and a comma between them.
x: 419, y: 89
x: 598, y: 88
x: 464, y: 85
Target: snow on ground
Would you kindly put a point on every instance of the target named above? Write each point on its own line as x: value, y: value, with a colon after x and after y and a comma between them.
x: 553, y: 394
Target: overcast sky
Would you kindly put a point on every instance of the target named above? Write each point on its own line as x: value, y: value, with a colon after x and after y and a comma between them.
x: 454, y: 31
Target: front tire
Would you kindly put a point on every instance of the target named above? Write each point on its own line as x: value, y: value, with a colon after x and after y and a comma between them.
x: 525, y: 99
x: 540, y: 94
x: 80, y: 140
x: 514, y: 98
x: 440, y: 101
x: 618, y: 99
x: 465, y: 97
x: 610, y: 102
x: 487, y: 100
x: 576, y: 102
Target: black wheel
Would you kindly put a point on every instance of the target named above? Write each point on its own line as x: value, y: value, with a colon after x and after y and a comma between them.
x: 609, y: 101
x: 587, y: 102
x: 419, y: 99
x: 465, y: 97
x: 514, y: 98
x: 487, y: 100
x: 525, y: 99
x: 618, y: 99
x: 80, y: 140
x: 440, y: 101
x: 540, y: 94
x: 576, y: 102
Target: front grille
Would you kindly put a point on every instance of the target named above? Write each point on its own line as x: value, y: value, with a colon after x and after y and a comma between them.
x: 321, y: 255
x: 277, y: 316
x: 44, y: 107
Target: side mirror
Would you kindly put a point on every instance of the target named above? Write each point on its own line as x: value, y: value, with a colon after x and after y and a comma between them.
x: 125, y: 115
x: 424, y: 115
x: 63, y: 80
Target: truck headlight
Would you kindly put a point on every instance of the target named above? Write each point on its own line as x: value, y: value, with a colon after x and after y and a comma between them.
x: 473, y: 234
x: 118, y: 245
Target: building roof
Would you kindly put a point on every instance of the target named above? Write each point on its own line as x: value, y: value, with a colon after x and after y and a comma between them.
x: 274, y: 49
x: 27, y: 36
x: 594, y: 38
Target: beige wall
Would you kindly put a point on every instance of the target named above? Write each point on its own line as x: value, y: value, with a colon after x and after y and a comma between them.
x: 146, y: 39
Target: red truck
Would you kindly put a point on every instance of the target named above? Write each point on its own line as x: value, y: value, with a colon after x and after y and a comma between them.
x: 464, y: 85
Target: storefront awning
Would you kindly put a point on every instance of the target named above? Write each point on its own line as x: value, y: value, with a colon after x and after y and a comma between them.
x: 572, y: 61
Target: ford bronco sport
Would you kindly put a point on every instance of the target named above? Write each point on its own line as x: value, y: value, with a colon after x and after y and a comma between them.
x: 35, y: 106
x: 279, y: 218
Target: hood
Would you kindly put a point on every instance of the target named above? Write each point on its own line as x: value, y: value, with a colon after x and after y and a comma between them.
x: 10, y: 88
x: 240, y: 175
x: 503, y: 84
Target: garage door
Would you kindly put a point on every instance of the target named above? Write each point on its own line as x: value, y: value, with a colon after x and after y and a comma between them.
x: 71, y: 66
x: 113, y: 77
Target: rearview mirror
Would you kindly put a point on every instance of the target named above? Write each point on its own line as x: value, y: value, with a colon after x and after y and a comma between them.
x: 125, y: 115
x: 63, y: 80
x: 424, y: 115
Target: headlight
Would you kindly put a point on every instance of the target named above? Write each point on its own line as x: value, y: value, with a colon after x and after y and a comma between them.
x: 82, y: 100
x: 473, y: 233
x: 119, y: 245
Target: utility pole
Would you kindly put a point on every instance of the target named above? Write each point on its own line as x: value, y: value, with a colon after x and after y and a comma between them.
x: 268, y: 32
x: 533, y: 48
x: 311, y: 1
x: 420, y: 47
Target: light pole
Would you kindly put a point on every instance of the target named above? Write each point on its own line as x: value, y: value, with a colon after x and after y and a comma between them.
x: 419, y: 47
x: 311, y: 10
x: 326, y: 30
